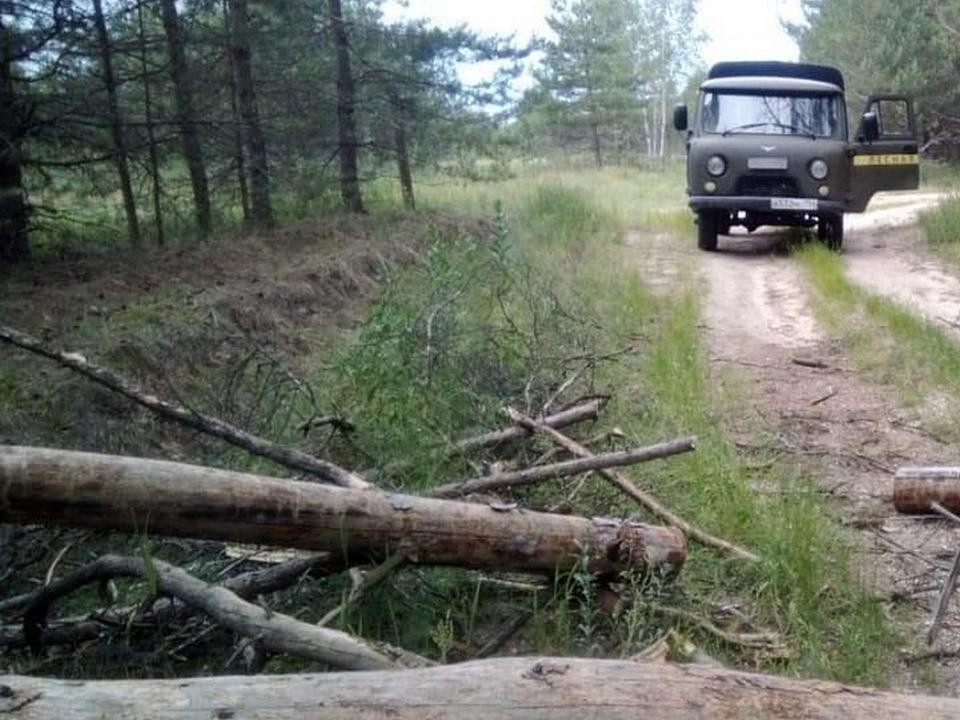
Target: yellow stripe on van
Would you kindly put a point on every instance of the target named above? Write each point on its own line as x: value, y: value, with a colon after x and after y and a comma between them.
x: 896, y: 159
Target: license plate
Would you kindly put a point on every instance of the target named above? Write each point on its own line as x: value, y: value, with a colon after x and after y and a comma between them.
x: 767, y: 163
x: 793, y: 204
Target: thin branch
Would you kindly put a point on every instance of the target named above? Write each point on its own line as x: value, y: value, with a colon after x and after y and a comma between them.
x: 286, y: 456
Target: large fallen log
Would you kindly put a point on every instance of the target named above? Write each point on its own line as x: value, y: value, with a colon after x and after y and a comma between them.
x: 915, y: 489
x: 164, y: 498
x: 280, y: 454
x: 521, y: 688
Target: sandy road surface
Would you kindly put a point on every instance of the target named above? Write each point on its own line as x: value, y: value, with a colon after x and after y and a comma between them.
x: 838, y: 425
x: 884, y: 252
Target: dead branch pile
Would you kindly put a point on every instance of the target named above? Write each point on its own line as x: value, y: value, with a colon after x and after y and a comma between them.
x: 343, y: 520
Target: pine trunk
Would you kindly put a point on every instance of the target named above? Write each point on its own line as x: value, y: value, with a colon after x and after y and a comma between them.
x: 261, y: 211
x: 14, y: 213
x: 401, y: 150
x: 346, y: 108
x: 187, y: 115
x: 151, y: 136
x: 238, y: 159
x: 120, y: 155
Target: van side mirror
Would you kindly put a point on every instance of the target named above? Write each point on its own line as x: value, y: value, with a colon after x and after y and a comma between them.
x: 680, y: 117
x: 871, y: 126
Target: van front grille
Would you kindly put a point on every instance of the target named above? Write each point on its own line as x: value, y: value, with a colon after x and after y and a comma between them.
x: 767, y: 186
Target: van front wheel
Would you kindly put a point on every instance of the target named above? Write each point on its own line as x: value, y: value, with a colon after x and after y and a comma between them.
x: 830, y: 230
x: 707, y: 229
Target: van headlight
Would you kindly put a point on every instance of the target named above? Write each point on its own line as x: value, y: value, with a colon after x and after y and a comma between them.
x: 819, y: 169
x: 716, y: 165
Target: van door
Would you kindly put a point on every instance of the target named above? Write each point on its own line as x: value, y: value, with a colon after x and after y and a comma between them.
x: 889, y: 162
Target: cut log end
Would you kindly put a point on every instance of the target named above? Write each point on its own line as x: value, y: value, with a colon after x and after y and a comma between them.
x: 916, y: 489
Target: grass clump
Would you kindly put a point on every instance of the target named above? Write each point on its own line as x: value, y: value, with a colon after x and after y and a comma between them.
x: 942, y: 227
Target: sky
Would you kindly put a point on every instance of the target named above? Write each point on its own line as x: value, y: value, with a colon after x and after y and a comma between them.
x: 734, y: 29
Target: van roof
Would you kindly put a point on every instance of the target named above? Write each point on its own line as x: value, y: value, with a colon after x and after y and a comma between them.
x: 799, y: 71
x: 788, y: 86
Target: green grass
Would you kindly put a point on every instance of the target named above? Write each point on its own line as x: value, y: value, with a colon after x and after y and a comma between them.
x: 902, y: 348
x: 942, y: 228
x: 633, y: 197
x: 567, y: 286
x: 806, y: 586
x: 939, y: 175
x: 502, y: 316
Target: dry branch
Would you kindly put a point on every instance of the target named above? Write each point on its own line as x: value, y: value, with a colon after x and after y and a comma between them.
x: 275, y: 631
x: 571, y: 416
x: 247, y: 586
x: 280, y: 454
x: 586, y: 463
x: 944, y: 600
x: 510, y: 688
x: 915, y: 489
x: 133, y: 495
x: 643, y: 498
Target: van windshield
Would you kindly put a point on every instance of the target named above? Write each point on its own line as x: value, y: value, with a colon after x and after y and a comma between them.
x: 770, y: 114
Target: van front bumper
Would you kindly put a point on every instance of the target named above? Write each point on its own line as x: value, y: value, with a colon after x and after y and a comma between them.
x: 752, y: 203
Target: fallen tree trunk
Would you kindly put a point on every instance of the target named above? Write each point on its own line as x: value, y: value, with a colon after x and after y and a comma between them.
x: 522, y: 688
x: 587, y: 463
x: 135, y: 495
x: 915, y: 489
x: 280, y: 454
x: 275, y: 631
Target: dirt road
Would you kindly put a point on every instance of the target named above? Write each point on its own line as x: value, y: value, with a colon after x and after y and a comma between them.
x: 885, y: 253
x: 841, y: 427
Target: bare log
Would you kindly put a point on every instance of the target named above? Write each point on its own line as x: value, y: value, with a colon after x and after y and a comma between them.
x: 275, y: 631
x: 280, y: 454
x: 586, y: 463
x: 915, y: 489
x: 521, y: 688
x: 643, y: 498
x: 135, y: 495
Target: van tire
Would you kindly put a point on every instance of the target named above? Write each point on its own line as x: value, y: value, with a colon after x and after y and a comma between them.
x: 707, y: 228
x: 830, y: 230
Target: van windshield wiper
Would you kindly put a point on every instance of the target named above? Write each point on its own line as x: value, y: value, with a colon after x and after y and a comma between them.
x: 793, y: 128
